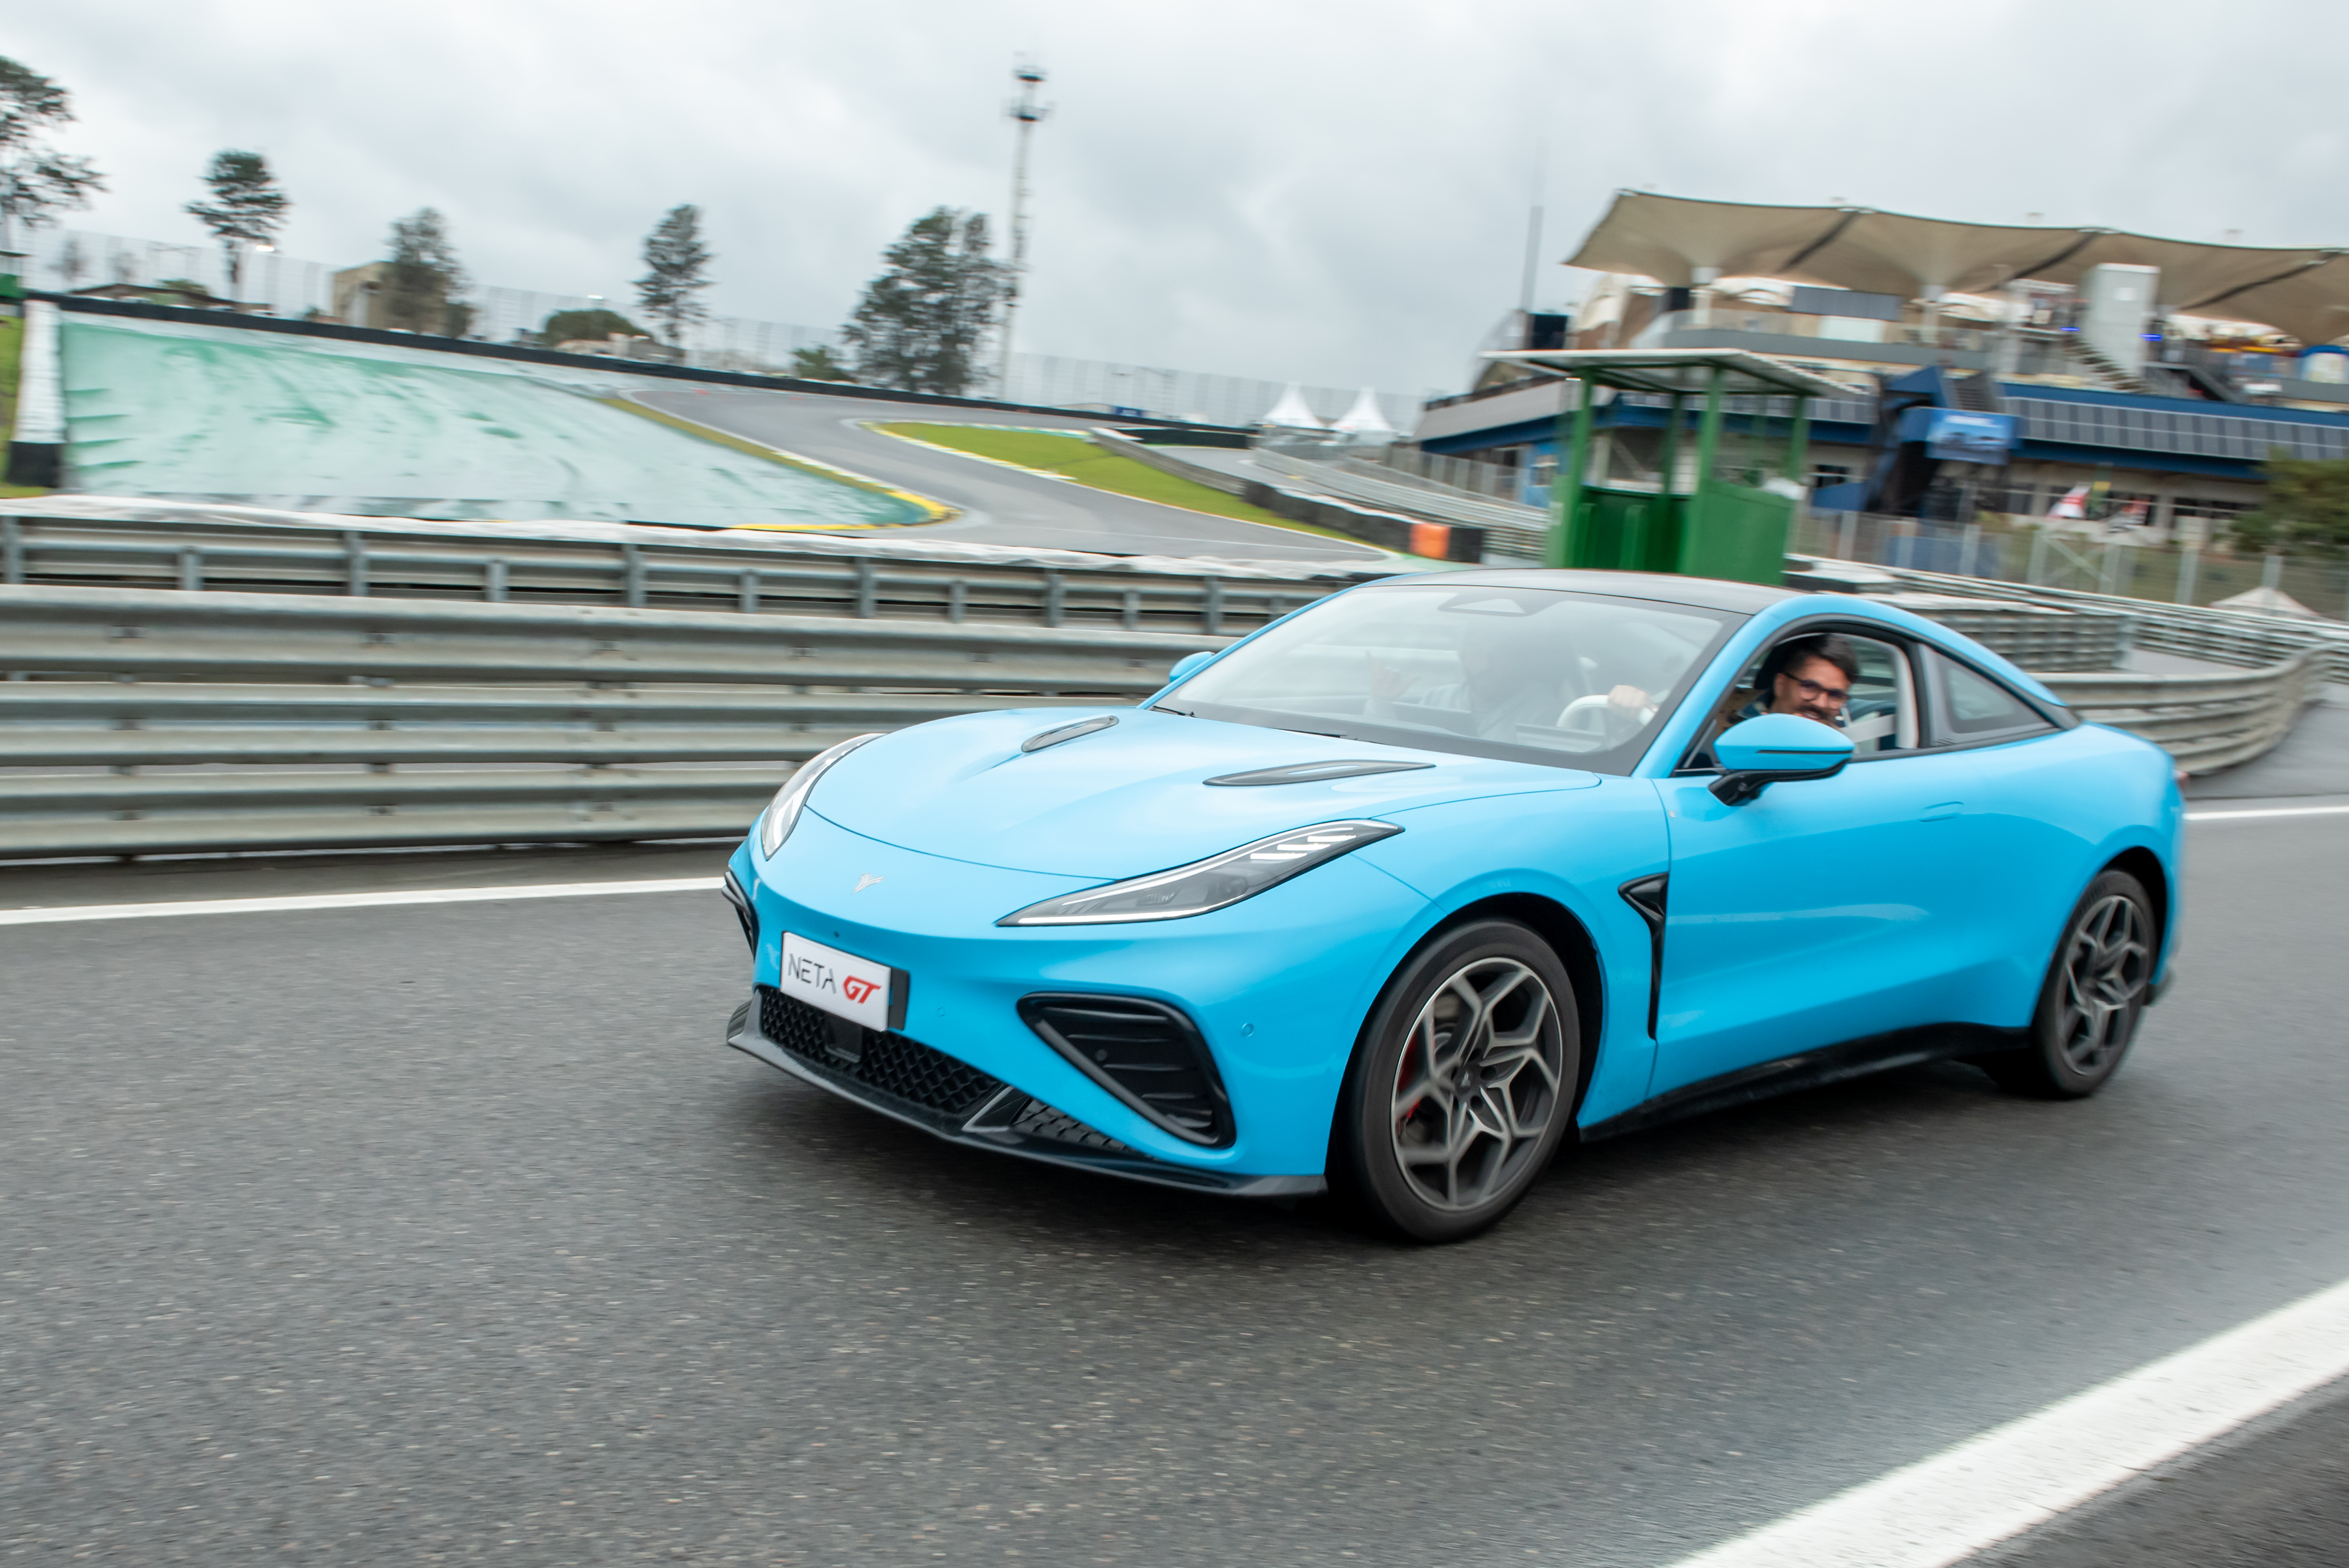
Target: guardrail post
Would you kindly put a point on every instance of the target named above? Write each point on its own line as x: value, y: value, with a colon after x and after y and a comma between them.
x: 2271, y: 572
x: 493, y: 579
x: 2108, y: 570
x: 1846, y: 535
x: 2037, y: 572
x: 1056, y: 589
x: 355, y: 564
x: 632, y: 562
x: 1211, y: 607
x: 191, y: 569
x: 957, y: 600
x: 868, y: 588
x: 12, y: 551
x: 1973, y: 542
x: 746, y: 593
x: 2189, y: 560
x: 1132, y: 617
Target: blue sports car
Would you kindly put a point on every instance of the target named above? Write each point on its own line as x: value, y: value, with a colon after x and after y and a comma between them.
x: 1401, y: 890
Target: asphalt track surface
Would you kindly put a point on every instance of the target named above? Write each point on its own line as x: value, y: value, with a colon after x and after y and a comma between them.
x: 1000, y: 505
x: 451, y: 1232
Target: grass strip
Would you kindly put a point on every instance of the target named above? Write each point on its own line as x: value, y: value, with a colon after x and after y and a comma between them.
x: 1075, y: 457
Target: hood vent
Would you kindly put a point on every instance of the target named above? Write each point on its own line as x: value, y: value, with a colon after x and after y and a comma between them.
x: 1314, y: 772
x: 1044, y: 738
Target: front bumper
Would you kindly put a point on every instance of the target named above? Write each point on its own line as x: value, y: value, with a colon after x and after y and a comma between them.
x: 927, y: 1089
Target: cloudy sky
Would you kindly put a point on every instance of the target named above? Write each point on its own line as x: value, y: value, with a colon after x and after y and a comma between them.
x: 1326, y: 192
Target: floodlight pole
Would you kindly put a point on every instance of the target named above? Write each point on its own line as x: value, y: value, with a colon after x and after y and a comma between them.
x: 1026, y: 112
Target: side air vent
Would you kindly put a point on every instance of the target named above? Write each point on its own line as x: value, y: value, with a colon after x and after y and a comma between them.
x: 1147, y: 1054
x: 1313, y: 772
x: 744, y: 915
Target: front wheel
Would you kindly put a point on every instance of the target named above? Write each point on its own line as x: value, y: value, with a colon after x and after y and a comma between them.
x: 1463, y: 1085
x: 2095, y: 991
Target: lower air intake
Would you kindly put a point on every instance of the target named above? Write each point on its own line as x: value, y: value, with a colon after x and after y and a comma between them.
x: 1146, y: 1053
x: 888, y: 1064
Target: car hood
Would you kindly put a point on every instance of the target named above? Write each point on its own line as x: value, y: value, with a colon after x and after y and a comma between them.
x: 1130, y: 798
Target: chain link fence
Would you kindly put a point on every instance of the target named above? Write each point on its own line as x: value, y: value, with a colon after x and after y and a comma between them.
x: 2114, y: 563
x: 278, y: 284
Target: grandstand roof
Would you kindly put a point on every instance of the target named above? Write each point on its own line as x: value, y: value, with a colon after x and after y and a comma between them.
x: 2304, y: 291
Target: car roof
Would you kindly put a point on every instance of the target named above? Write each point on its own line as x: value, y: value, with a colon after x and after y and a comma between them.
x: 1705, y: 593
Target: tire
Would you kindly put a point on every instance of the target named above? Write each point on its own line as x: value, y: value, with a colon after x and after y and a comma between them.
x: 2093, y: 994
x: 1486, y: 1005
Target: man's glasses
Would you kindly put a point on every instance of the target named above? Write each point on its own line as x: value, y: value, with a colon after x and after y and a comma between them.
x: 1834, y: 697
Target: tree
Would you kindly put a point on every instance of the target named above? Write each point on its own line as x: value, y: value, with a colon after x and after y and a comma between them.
x: 246, y: 209
x: 36, y: 183
x: 422, y: 278
x: 570, y: 326
x: 2305, y: 511
x: 677, y: 268
x: 72, y: 264
x: 818, y: 365
x: 920, y: 324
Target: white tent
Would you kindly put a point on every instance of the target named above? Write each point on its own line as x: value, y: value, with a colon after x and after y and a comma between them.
x: 2268, y: 601
x: 1364, y: 422
x: 1291, y: 413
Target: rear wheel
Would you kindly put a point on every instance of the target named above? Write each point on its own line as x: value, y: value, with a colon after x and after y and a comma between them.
x: 2095, y: 991
x: 1464, y: 1083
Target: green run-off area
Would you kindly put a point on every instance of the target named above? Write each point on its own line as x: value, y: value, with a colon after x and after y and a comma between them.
x: 173, y: 410
x: 1074, y: 458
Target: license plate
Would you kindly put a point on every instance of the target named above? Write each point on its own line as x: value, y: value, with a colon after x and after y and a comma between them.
x: 842, y: 983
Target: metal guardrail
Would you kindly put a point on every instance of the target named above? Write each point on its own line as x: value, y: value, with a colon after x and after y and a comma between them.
x: 147, y: 722
x: 2224, y: 637
x: 2204, y: 722
x: 142, y: 721
x: 692, y: 574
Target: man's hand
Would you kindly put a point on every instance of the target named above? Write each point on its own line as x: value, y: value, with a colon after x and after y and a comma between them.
x: 1630, y: 699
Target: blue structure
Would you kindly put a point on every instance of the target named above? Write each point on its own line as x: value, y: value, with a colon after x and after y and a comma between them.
x: 1406, y: 888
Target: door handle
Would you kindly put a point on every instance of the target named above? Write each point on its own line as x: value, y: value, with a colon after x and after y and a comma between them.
x: 1945, y: 809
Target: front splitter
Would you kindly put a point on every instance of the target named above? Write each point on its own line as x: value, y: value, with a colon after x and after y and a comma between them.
x: 743, y: 1033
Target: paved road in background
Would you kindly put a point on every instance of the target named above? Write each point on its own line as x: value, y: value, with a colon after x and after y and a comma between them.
x: 1004, y: 506
x: 378, y: 1234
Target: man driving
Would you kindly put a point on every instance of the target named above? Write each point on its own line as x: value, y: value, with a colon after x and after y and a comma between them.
x: 1810, y: 677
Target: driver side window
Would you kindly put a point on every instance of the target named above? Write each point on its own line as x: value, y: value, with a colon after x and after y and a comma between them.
x: 1880, y: 714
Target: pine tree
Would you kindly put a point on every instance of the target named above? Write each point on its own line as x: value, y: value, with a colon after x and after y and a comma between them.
x: 422, y: 278
x: 35, y: 182
x: 246, y: 209
x: 921, y: 323
x: 677, y: 268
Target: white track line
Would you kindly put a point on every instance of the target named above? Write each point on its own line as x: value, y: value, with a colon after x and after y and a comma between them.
x: 1994, y: 1487
x: 2268, y: 812
x: 349, y: 901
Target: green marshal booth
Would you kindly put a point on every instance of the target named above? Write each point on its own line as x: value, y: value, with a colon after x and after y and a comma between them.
x: 1724, y: 494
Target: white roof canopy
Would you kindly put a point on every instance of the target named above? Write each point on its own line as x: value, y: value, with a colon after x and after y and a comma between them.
x: 1682, y: 372
x: 1680, y: 243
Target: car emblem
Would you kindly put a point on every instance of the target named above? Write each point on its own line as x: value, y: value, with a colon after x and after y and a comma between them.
x: 866, y: 881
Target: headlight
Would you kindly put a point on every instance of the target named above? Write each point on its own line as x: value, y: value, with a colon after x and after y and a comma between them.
x: 782, y: 812
x: 1211, y: 884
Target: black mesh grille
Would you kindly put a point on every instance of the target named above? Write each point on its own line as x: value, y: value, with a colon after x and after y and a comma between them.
x: 888, y: 1064
x: 1038, y: 1120
x: 1145, y: 1053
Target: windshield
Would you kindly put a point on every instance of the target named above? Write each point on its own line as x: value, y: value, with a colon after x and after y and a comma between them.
x: 1573, y: 680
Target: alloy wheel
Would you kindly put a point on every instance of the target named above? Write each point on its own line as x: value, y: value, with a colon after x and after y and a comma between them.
x: 2105, y: 973
x: 1476, y: 1084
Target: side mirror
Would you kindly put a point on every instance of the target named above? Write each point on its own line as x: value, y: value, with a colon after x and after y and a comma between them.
x: 1775, y: 748
x: 1186, y: 664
